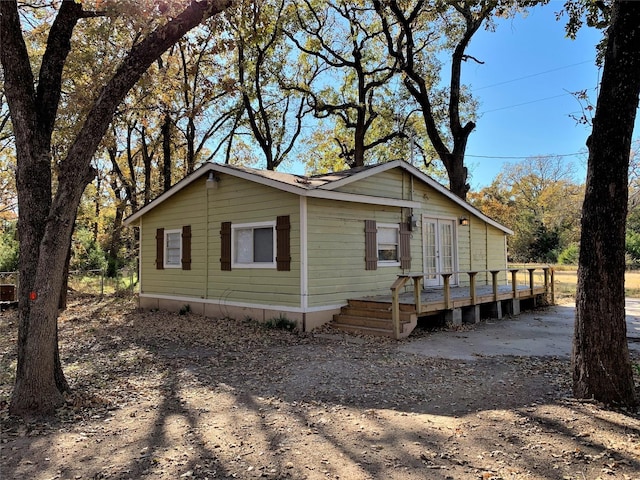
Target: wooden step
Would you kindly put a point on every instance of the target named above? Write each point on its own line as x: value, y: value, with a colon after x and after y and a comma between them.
x: 374, y: 313
x: 379, y: 305
x: 373, y: 318
x: 356, y: 321
x: 358, y: 330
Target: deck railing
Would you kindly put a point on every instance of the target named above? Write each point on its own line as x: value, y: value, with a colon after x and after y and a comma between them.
x: 529, y: 273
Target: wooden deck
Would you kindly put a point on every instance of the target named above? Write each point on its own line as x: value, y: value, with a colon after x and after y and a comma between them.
x: 395, y: 315
x: 433, y: 299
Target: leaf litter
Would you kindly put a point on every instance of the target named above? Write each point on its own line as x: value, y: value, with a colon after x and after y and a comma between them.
x: 163, y: 396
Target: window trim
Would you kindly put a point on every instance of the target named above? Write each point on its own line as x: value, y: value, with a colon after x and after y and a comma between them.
x: 166, y: 247
x: 389, y: 263
x: 253, y: 225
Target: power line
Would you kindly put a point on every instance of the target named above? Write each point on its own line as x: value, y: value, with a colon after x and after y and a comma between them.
x: 532, y: 75
x: 524, y: 103
x: 528, y: 156
x: 534, y: 101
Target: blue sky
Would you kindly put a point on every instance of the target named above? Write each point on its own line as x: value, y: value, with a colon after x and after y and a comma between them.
x: 523, y: 89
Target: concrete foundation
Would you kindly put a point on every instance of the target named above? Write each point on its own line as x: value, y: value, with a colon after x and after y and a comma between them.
x: 492, y: 310
x: 453, y: 317
x: 304, y: 321
x: 471, y: 314
x: 511, y: 307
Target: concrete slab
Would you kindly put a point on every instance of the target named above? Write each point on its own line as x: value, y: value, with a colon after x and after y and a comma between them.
x: 547, y: 332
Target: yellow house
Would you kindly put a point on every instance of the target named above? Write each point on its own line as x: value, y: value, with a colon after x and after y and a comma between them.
x: 238, y: 242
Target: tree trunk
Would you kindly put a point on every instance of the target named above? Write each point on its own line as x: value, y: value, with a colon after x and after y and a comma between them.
x: 46, y: 225
x: 191, y: 149
x: 166, y: 152
x: 457, y: 173
x: 600, y: 361
x: 146, y: 160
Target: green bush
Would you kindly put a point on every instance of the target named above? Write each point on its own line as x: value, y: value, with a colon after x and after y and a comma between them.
x: 280, y: 323
x: 569, y: 256
x: 86, y: 253
x: 632, y: 244
x: 8, y: 248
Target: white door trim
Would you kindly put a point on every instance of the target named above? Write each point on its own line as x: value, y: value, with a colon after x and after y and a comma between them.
x: 433, y: 240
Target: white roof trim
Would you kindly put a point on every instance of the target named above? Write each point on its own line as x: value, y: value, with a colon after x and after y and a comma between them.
x: 324, y: 191
x: 352, y: 197
x: 383, y: 167
x: 423, y: 177
x: 456, y: 199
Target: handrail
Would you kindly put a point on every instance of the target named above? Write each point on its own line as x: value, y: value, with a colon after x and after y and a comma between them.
x: 417, y: 278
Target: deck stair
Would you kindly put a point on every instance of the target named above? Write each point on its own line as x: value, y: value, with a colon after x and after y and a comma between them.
x: 374, y: 317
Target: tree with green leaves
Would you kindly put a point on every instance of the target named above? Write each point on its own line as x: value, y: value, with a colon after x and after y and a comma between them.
x: 540, y: 201
x: 47, y: 215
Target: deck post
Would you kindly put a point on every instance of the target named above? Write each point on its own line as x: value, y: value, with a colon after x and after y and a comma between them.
x: 546, y: 283
x: 472, y: 287
x: 494, y: 283
x: 514, y: 282
x: 531, y: 283
x: 395, y: 304
x: 417, y: 293
x: 447, y: 290
x: 395, y: 313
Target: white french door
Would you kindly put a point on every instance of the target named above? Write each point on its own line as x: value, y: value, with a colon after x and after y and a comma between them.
x: 439, y: 249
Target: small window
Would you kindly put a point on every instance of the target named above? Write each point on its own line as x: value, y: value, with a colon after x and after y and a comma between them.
x: 172, y: 248
x: 254, y: 245
x: 388, y: 244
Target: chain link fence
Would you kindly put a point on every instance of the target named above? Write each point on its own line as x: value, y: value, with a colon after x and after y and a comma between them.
x: 89, y: 282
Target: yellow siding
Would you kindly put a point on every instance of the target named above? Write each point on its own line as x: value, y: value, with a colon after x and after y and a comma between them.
x: 240, y: 201
x: 336, y: 238
x: 336, y: 251
x: 480, y: 246
x: 394, y: 183
x: 336, y: 241
x: 236, y: 201
x: 186, y: 207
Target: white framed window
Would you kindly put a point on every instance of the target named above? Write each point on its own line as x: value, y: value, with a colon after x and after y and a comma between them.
x: 253, y: 245
x: 388, y: 239
x: 173, y: 249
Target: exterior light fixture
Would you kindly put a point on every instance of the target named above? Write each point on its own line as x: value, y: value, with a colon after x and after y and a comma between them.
x: 212, y: 181
x: 464, y: 221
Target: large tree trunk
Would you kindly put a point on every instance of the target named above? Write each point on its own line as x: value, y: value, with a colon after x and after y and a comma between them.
x: 45, y: 224
x: 600, y: 361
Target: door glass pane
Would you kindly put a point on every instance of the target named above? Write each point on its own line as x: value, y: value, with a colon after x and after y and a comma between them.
x: 430, y: 250
x: 263, y: 244
x: 446, y: 247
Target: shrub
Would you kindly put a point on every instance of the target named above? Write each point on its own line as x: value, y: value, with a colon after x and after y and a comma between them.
x: 632, y: 244
x: 569, y: 256
x: 280, y: 323
x: 8, y: 248
x: 86, y: 252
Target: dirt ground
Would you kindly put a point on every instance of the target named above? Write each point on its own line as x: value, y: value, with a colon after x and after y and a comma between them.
x: 164, y: 396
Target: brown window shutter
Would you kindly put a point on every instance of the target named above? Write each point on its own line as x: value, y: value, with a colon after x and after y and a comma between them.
x: 370, y: 245
x: 283, y: 241
x: 160, y: 249
x: 186, y: 247
x: 225, y: 246
x: 405, y: 247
